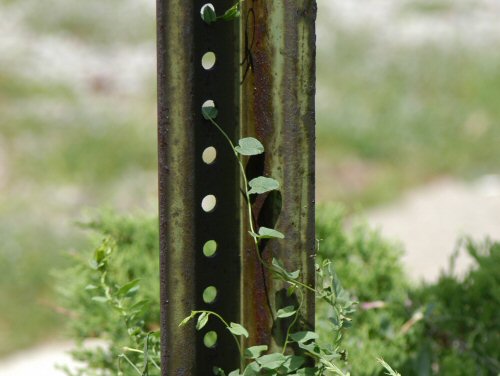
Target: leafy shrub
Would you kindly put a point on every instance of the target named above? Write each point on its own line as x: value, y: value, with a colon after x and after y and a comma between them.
x: 113, y: 295
x: 461, y: 321
x: 450, y: 327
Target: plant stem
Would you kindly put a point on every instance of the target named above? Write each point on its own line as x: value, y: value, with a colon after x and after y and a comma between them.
x: 295, y: 318
x: 224, y: 322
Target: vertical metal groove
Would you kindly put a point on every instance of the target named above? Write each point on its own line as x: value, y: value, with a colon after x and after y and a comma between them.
x: 184, y: 180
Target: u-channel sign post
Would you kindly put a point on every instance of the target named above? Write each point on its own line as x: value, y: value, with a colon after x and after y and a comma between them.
x: 263, y: 84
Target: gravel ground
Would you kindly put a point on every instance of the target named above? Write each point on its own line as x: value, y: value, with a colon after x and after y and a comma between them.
x: 39, y: 361
x: 429, y: 221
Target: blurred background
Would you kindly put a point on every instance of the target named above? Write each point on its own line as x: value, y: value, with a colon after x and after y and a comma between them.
x: 408, y: 130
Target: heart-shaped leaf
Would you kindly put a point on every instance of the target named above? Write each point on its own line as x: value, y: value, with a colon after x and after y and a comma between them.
x: 271, y: 361
x: 269, y: 233
x: 238, y: 330
x: 262, y: 184
x: 249, y: 146
x: 255, y: 351
x: 286, y: 312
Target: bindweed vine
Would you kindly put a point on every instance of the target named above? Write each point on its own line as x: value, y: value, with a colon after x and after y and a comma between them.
x: 255, y: 360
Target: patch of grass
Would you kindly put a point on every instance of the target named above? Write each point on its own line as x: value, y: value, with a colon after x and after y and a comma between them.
x: 28, y: 255
x: 415, y: 113
x: 14, y: 88
x: 429, y: 6
x: 97, y: 22
x: 60, y: 152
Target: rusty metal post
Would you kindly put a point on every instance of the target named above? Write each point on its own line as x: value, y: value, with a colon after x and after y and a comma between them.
x: 269, y: 95
x: 277, y: 107
x: 185, y: 179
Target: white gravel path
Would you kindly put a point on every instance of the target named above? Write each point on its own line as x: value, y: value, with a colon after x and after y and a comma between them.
x: 429, y: 220
x: 39, y: 361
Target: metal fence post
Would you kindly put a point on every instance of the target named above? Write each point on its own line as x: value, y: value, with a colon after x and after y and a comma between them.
x: 263, y: 84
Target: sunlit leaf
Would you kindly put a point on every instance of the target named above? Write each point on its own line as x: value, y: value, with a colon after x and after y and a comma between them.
x: 286, y: 312
x: 238, y: 330
x: 249, y: 146
x: 271, y: 361
x: 269, y: 233
x: 304, y: 337
x: 202, y: 320
x: 255, y: 351
x: 262, y: 184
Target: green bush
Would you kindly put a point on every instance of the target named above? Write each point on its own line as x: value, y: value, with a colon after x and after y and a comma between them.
x: 450, y: 327
x: 113, y: 295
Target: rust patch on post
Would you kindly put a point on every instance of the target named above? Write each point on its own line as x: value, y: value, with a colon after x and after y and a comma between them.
x: 278, y: 109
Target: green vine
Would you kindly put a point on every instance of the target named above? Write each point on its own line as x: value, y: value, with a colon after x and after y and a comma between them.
x: 254, y: 359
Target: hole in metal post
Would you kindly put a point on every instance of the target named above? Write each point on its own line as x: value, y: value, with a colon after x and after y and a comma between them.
x: 209, y: 294
x: 210, y: 339
x: 208, y: 104
x: 208, y: 203
x: 207, y: 12
x: 208, y: 60
x: 209, y: 155
x: 208, y: 110
x: 210, y: 248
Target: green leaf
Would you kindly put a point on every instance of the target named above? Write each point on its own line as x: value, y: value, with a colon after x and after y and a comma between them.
x: 255, y: 351
x: 238, y: 330
x: 388, y: 368
x: 269, y: 233
x: 271, y: 361
x: 249, y: 146
x: 208, y: 14
x: 100, y: 299
x: 312, y: 348
x: 235, y: 372
x: 293, y: 362
x: 187, y: 319
x: 202, y: 320
x: 278, y: 265
x: 232, y: 13
x: 90, y: 287
x: 209, y: 112
x: 304, y: 337
x: 139, y: 307
x: 262, y: 185
x: 286, y: 312
x: 129, y: 287
x: 253, y: 369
